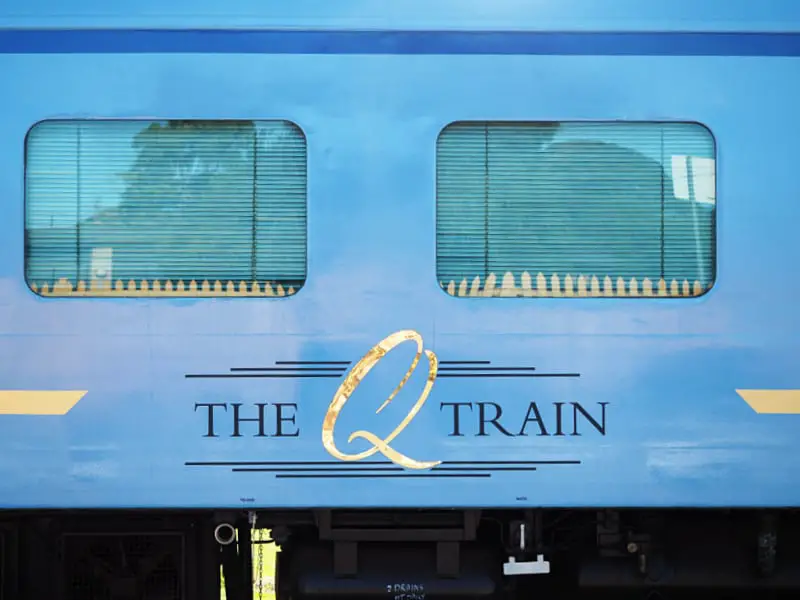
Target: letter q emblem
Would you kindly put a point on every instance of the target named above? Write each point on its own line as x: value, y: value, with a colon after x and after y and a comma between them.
x: 352, y: 381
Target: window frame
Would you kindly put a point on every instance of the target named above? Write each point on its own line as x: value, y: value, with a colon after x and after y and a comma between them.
x: 594, y: 288
x: 215, y: 289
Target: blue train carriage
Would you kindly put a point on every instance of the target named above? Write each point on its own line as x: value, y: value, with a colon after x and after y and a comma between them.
x: 435, y: 297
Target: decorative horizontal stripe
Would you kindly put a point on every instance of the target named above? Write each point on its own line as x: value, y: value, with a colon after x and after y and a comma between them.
x: 378, y: 469
x: 371, y: 462
x: 284, y: 369
x: 381, y: 475
x: 580, y: 286
x: 507, y: 375
x: 263, y: 375
x: 248, y: 41
x: 772, y: 402
x: 313, y: 362
x: 102, y: 288
x: 30, y: 402
x: 465, y: 362
x: 482, y: 369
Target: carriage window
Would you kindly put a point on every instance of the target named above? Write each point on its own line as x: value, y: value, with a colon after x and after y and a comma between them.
x: 165, y: 208
x: 575, y: 209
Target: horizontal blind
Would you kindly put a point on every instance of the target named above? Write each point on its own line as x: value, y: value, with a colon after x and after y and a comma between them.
x: 542, y: 208
x: 281, y: 206
x: 181, y: 205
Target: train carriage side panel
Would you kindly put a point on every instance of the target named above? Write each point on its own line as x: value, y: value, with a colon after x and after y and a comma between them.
x: 256, y: 369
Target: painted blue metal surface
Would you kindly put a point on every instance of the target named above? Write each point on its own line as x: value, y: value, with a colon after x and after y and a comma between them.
x: 676, y: 432
x: 542, y: 15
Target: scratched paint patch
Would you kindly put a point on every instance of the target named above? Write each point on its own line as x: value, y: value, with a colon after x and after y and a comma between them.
x: 93, y: 470
x: 695, y: 462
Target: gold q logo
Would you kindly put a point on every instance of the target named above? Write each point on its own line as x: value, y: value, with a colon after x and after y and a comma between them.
x: 352, y: 381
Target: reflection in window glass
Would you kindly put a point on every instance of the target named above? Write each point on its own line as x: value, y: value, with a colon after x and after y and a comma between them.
x: 165, y: 208
x: 575, y: 209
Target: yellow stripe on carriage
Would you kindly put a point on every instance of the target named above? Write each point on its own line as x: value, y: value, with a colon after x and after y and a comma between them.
x: 30, y: 402
x: 772, y: 402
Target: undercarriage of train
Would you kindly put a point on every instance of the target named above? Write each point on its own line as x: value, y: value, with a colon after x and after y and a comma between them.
x: 399, y: 555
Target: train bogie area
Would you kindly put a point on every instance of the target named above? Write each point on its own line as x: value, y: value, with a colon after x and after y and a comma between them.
x: 399, y: 554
